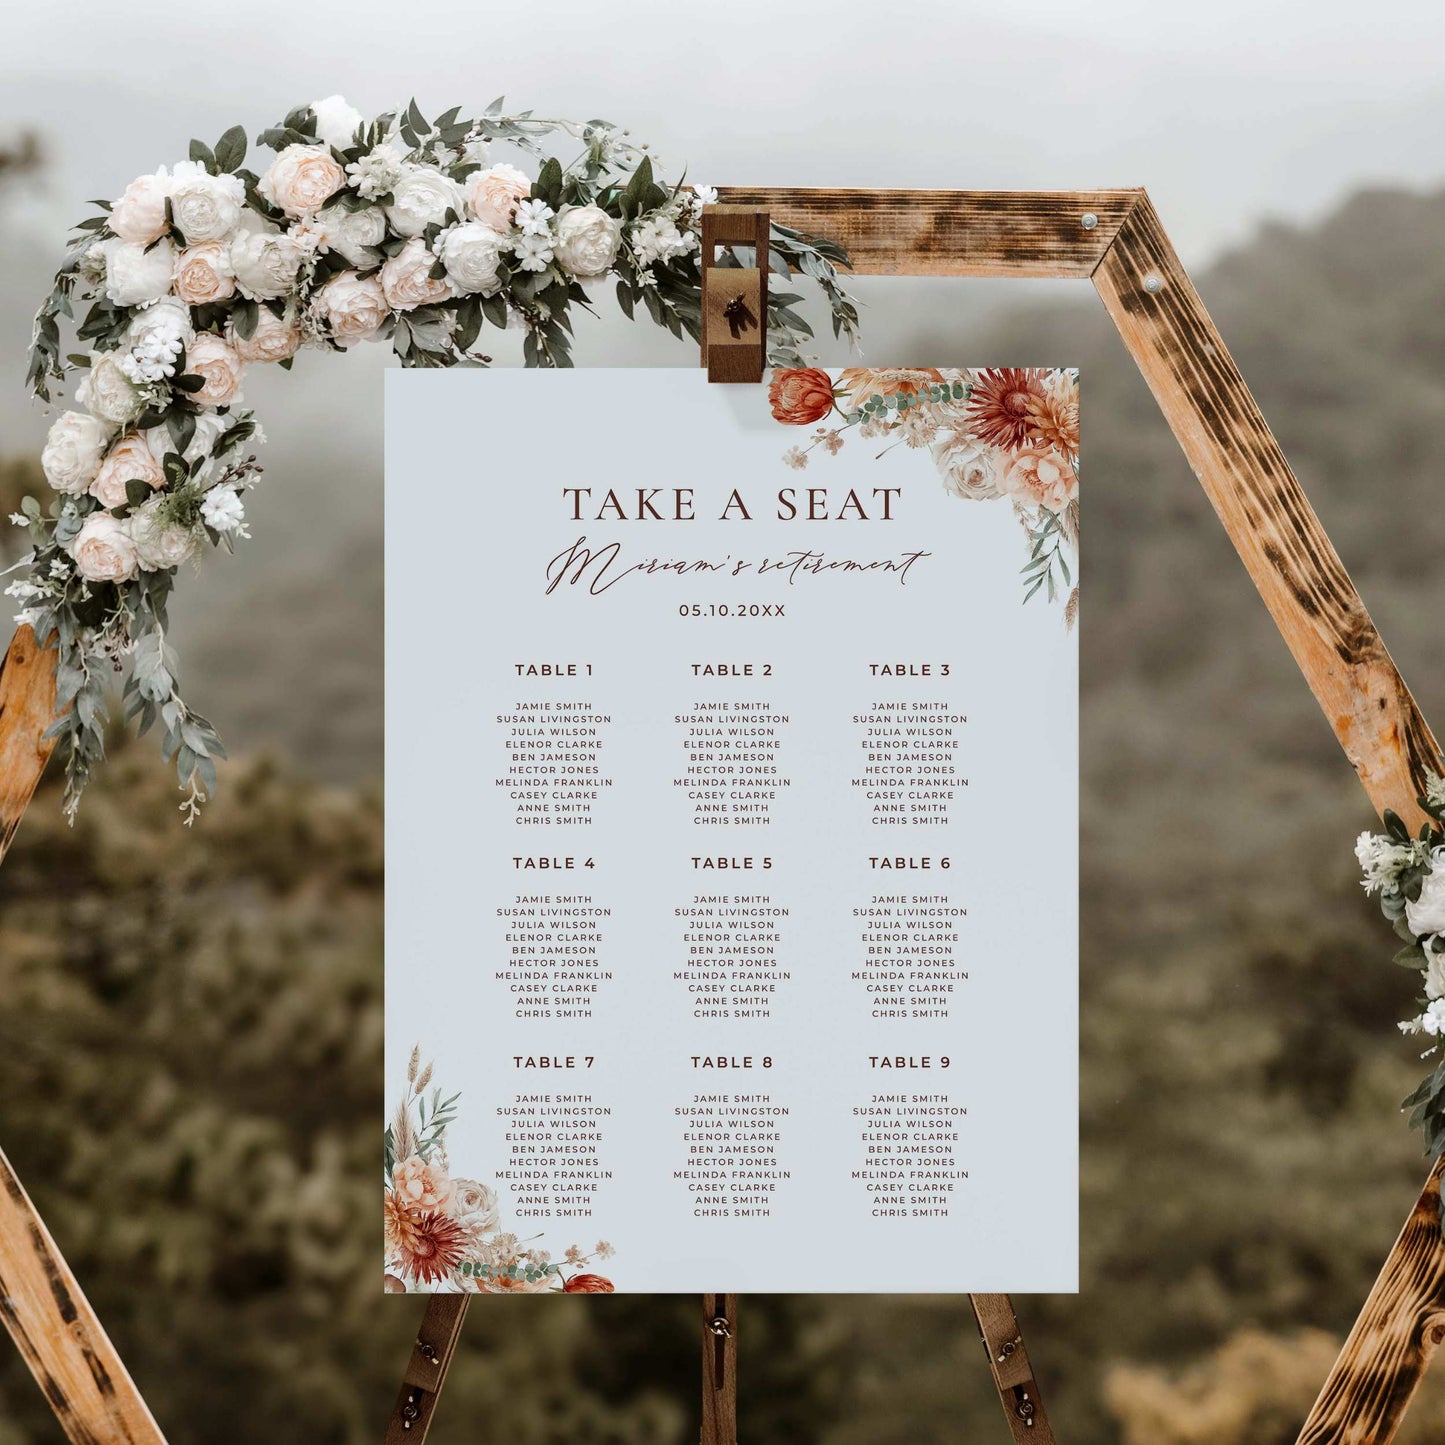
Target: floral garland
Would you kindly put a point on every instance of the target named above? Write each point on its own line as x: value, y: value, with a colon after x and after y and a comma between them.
x: 397, y: 229
x: 444, y: 1235
x: 1002, y: 432
x: 1408, y: 874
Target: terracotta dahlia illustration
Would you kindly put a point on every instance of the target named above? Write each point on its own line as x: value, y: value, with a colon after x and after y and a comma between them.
x: 1001, y: 408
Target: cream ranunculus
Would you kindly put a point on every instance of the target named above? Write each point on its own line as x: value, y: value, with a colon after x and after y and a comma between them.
x: 107, y: 392
x: 134, y: 274
x: 407, y: 280
x: 352, y: 308
x: 129, y: 460
x: 336, y: 121
x: 353, y: 235
x: 967, y: 467
x: 274, y: 339
x: 103, y: 550
x: 422, y: 198
x: 205, y: 207
x: 1426, y: 915
x: 159, y: 544
x: 471, y: 253
x: 493, y: 194
x: 217, y: 364
x: 139, y: 215
x: 475, y: 1208
x: 203, y: 274
x: 302, y: 179
x: 73, y: 451
x: 264, y: 262
x: 585, y: 240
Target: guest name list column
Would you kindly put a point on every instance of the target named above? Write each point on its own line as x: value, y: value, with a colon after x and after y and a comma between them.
x: 732, y: 841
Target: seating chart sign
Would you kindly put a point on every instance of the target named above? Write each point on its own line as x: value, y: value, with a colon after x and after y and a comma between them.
x: 732, y: 831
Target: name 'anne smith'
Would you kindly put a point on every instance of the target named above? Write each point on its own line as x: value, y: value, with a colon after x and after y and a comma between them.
x: 599, y: 568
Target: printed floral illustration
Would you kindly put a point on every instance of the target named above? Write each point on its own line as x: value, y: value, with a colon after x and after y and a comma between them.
x: 1003, y: 432
x: 444, y: 1234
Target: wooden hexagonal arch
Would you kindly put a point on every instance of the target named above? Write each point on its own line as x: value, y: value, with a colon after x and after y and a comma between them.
x: 1114, y: 239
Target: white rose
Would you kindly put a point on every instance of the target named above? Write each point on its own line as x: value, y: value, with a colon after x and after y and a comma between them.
x: 336, y: 121
x: 103, y: 550
x: 107, y: 392
x: 407, y: 280
x: 351, y: 307
x: 273, y: 339
x: 73, y: 451
x: 159, y: 544
x: 167, y: 320
x: 135, y: 274
x: 217, y: 363
x: 1427, y: 914
x: 585, y: 240
x: 264, y: 263
x: 302, y: 179
x: 139, y: 215
x: 203, y: 274
x: 129, y: 460
x: 493, y: 194
x: 352, y: 234
x: 471, y: 253
x: 205, y: 207
x: 422, y: 198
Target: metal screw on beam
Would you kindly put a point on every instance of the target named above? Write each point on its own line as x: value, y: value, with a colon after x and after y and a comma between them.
x: 410, y: 1414
x: 1153, y: 284
x: 720, y: 1327
x: 428, y: 1352
x: 1088, y: 220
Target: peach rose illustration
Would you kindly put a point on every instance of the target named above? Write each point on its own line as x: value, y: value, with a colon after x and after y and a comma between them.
x: 588, y: 1284
x: 800, y: 396
x: 420, y: 1185
x: 1041, y: 477
x: 861, y: 382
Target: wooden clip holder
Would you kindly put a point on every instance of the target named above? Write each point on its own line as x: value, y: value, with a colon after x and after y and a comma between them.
x: 734, y: 298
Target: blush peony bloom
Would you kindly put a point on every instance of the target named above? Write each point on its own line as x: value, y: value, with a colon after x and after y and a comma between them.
x: 492, y: 195
x: 588, y: 1284
x: 108, y: 393
x: 139, y: 215
x: 800, y: 396
x: 422, y: 198
x: 302, y: 179
x: 1426, y: 915
x: 420, y: 1185
x: 264, y: 261
x: 407, y: 280
x: 135, y: 274
x: 1000, y: 411
x: 203, y: 274
x: 159, y: 544
x: 352, y: 308
x: 273, y: 339
x: 1041, y: 477
x: 216, y: 363
x: 103, y: 550
x: 471, y: 252
x: 205, y: 207
x: 353, y: 235
x: 129, y: 460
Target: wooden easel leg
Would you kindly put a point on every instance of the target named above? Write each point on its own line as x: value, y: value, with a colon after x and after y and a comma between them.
x: 1013, y: 1375
x: 1403, y: 1321
x: 719, y: 1369
x: 58, y: 1334
x: 426, y: 1371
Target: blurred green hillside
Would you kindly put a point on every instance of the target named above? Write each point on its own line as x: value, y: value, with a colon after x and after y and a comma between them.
x: 190, y: 1048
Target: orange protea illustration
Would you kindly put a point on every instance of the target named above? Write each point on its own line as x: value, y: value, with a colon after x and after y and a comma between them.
x: 801, y: 396
x: 1055, y: 414
x: 427, y: 1245
x: 588, y: 1284
x: 1000, y: 411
